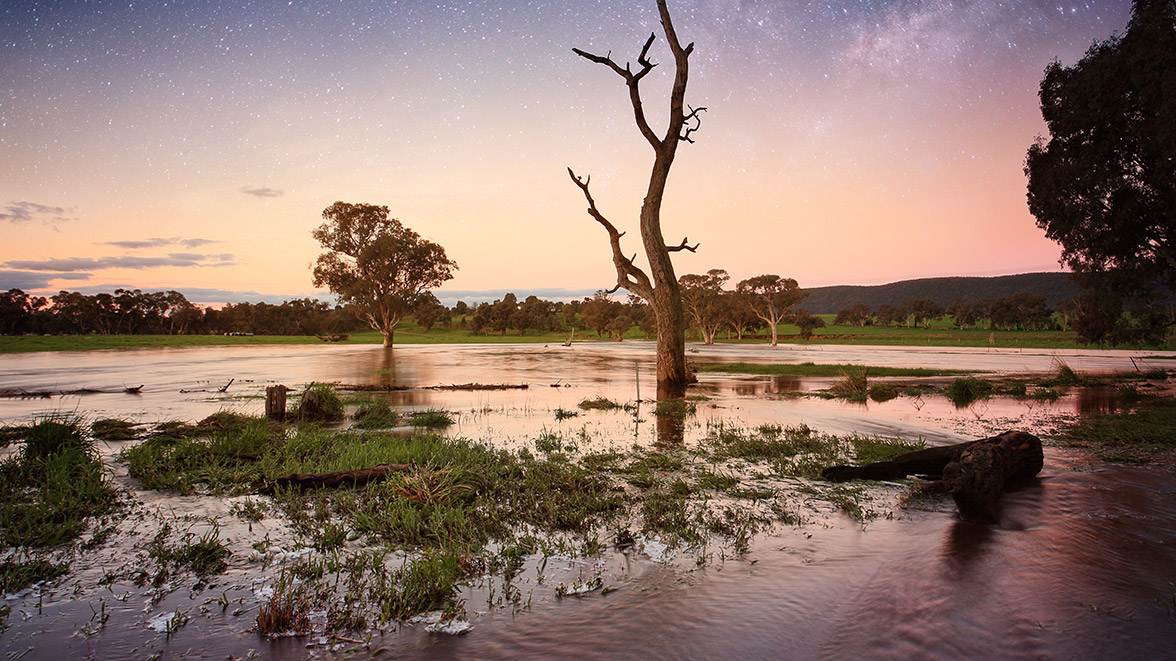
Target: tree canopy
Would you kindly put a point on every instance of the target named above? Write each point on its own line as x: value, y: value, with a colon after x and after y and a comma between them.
x: 377, y: 265
x: 1104, y: 183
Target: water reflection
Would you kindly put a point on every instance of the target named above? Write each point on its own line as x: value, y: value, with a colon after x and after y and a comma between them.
x: 1098, y: 399
x: 671, y: 430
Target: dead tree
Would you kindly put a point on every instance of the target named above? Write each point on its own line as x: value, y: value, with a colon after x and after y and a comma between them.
x: 660, y: 287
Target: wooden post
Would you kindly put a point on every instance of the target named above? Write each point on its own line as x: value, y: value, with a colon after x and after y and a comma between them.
x: 275, y: 402
x: 637, y: 371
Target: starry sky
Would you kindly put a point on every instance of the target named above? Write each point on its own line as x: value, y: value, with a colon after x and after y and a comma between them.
x: 192, y: 144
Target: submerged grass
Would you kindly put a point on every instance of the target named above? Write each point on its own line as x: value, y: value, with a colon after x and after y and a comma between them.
x: 1133, y: 436
x: 52, y: 486
x: 375, y: 413
x: 463, y: 509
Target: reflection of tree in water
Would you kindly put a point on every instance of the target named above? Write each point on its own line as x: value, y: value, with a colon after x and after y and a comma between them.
x: 1098, y: 399
x: 671, y: 430
x: 386, y: 370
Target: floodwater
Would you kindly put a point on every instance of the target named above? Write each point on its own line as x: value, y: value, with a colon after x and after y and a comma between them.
x: 1083, y: 564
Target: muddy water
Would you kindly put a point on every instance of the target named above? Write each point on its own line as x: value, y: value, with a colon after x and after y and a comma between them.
x: 1082, y: 566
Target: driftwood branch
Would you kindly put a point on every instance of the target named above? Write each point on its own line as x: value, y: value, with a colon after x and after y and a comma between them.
x: 683, y: 246
x: 629, y: 275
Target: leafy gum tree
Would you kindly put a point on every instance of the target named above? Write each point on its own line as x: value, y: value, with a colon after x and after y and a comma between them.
x: 379, y: 267
x: 703, y: 297
x: 771, y: 298
x: 1104, y: 184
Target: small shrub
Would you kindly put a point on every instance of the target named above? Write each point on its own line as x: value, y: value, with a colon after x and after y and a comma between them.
x: 564, y: 414
x: 375, y: 414
x: 110, y: 429
x: 431, y: 419
x: 287, y: 611
x: 599, y: 403
x: 854, y: 384
x: 965, y: 390
x: 883, y: 392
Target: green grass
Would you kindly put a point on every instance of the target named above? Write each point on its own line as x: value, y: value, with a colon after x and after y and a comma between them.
x: 964, y: 391
x: 940, y: 334
x: 599, y: 403
x: 431, y: 418
x: 50, y: 489
x: 375, y: 413
x: 16, y: 576
x: 813, y: 369
x: 1127, y: 436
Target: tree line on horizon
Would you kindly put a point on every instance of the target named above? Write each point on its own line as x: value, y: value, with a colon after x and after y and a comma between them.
x: 745, y: 311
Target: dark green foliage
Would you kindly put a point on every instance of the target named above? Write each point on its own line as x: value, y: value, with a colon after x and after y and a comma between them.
x: 1104, y: 183
x: 319, y: 403
x: 870, y: 449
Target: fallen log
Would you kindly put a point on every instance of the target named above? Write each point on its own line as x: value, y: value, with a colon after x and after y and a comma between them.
x: 357, y: 476
x: 975, y: 473
x: 983, y: 470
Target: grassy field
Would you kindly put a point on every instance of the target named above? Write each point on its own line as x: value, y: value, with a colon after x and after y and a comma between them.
x: 937, y: 335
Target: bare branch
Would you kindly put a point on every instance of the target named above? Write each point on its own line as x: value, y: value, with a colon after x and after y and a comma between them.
x: 687, y: 129
x: 643, y: 59
x: 629, y: 275
x: 632, y: 81
x: 683, y: 246
x: 606, y: 60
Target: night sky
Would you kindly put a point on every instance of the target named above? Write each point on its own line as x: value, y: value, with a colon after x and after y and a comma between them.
x: 193, y: 144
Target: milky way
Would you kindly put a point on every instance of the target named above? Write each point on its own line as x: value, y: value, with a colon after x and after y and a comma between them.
x: 844, y: 142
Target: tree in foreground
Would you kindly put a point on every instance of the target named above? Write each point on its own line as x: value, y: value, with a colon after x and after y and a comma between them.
x: 771, y: 298
x: 377, y: 265
x: 660, y: 286
x: 1104, y: 184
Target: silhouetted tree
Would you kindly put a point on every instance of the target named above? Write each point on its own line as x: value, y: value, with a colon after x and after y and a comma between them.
x: 376, y: 264
x: 17, y: 310
x: 1104, y: 184
x: 660, y: 287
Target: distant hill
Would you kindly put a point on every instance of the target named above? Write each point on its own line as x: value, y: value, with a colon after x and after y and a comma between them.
x: 1053, y: 286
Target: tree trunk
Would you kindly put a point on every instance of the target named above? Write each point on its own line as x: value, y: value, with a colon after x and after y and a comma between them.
x: 671, y: 345
x: 388, y: 339
x: 275, y: 402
